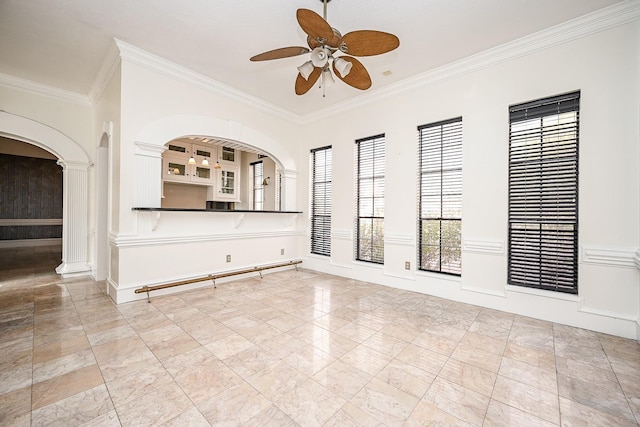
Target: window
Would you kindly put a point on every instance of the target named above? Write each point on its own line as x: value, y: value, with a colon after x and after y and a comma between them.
x: 543, y: 194
x: 370, y: 159
x: 321, y: 171
x: 440, y: 196
x: 257, y: 189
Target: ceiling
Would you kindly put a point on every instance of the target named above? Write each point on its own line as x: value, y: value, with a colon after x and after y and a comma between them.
x: 62, y: 43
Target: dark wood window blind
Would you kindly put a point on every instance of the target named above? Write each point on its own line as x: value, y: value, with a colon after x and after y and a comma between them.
x: 440, y: 196
x: 543, y: 193
x: 370, y: 189
x: 321, y: 173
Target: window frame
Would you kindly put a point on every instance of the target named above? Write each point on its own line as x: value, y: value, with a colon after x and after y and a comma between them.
x: 321, y: 189
x: 257, y: 189
x: 543, y: 219
x: 440, y: 143
x: 373, y: 170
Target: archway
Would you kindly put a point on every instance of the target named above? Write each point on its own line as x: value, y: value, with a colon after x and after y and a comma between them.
x: 75, y: 164
x: 151, y: 140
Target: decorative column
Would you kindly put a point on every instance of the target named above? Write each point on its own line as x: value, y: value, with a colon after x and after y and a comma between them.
x: 148, y: 166
x: 75, y: 221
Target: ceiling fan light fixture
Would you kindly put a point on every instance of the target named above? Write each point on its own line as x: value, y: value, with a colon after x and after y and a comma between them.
x: 342, y: 66
x: 319, y: 56
x: 327, y: 77
x: 306, y: 69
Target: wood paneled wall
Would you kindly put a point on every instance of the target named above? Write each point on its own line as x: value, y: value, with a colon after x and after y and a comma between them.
x: 30, y: 190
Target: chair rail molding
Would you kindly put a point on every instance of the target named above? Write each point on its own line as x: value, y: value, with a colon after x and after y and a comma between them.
x: 484, y: 246
x: 611, y: 256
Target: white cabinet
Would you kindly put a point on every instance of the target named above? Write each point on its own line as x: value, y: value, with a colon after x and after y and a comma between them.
x: 224, y: 182
x: 178, y: 169
x: 227, y: 184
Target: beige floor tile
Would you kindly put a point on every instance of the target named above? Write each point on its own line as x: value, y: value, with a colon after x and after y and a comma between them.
x: 229, y: 345
x: 540, y: 404
x: 477, y: 356
x: 206, y: 379
x: 75, y: 410
x: 352, y: 416
x: 576, y: 414
x: 251, y: 361
x: 65, y: 385
x: 342, y: 379
x: 335, y: 345
x: 154, y: 408
x: 271, y: 417
x: 308, y: 332
x: 544, y: 359
x: 469, y: 376
x: 385, y: 403
x: 16, y: 407
x: 191, y: 417
x: 310, y: 404
x: 501, y: 415
x: 603, y: 396
x: 137, y: 384
x: 16, y: 371
x: 543, y: 379
x: 457, y: 400
x: 528, y: 335
x: 436, y: 343
x: 276, y: 380
x: 407, y: 378
x: 366, y: 359
x: 56, y: 350
x: 427, y: 414
x: 309, y: 360
x: 429, y: 361
x: 234, y: 406
x: 122, y: 357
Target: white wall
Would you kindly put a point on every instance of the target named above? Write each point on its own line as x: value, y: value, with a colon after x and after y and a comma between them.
x: 155, y: 106
x: 605, y: 67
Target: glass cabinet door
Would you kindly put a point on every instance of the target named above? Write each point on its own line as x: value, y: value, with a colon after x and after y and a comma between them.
x: 228, y: 182
x: 174, y: 169
x: 202, y: 174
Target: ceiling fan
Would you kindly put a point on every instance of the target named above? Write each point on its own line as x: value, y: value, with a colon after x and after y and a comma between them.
x: 325, y: 43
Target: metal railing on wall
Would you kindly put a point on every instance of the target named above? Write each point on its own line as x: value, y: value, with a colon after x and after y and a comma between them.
x: 214, y: 277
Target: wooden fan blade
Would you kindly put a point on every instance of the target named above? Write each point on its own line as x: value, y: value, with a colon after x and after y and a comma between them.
x: 369, y: 42
x: 358, y: 77
x: 313, y: 24
x: 302, y: 85
x: 283, y: 52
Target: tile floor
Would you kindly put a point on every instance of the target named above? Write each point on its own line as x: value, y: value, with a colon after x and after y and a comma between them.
x: 294, y: 348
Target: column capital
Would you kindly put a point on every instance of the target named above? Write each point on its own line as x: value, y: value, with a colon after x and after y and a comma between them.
x: 72, y: 165
x: 150, y: 150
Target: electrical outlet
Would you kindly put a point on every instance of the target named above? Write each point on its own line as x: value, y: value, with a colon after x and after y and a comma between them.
x: 281, y: 251
x: 407, y: 265
x: 228, y: 258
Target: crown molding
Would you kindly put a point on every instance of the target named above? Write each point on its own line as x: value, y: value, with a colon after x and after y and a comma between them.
x: 107, y: 69
x: 155, y: 63
x: 42, y: 89
x: 586, y: 25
